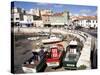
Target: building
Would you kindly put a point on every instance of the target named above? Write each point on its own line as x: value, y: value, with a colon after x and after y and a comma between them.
x: 20, y: 17
x: 27, y: 20
x: 24, y: 18
x: 16, y: 15
x: 38, y: 18
x: 38, y: 23
x: 39, y: 12
x: 86, y: 21
x: 34, y: 11
x: 59, y: 19
x: 46, y: 11
x: 56, y: 19
x: 46, y: 20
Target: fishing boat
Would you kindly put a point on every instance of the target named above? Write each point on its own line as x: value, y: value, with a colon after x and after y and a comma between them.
x: 36, y: 63
x: 33, y: 38
x: 52, y: 39
x: 72, y: 55
x: 55, y: 55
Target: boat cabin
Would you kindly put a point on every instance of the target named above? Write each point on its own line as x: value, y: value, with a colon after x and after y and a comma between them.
x: 54, y: 56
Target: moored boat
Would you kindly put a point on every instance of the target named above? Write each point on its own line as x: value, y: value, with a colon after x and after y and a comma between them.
x: 72, y: 55
x: 55, y: 55
x: 52, y: 39
x: 36, y: 63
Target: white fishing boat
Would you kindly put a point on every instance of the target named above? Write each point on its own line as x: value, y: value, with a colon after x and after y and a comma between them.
x: 52, y: 39
x: 33, y: 38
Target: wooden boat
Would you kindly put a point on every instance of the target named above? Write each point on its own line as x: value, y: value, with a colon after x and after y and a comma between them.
x: 35, y: 64
x: 55, y: 55
x: 72, y: 55
x: 52, y: 39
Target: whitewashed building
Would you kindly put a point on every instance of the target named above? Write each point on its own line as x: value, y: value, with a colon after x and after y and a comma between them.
x: 23, y: 18
x: 38, y: 23
x: 15, y: 15
x: 86, y: 21
x: 27, y: 20
x: 34, y: 11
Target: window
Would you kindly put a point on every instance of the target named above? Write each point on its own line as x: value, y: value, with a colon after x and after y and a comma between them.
x: 17, y: 18
x: 96, y: 21
x: 94, y: 25
x: 21, y: 17
x: 81, y: 21
x: 93, y: 21
x: 11, y: 19
x: 48, y: 20
x: 88, y: 21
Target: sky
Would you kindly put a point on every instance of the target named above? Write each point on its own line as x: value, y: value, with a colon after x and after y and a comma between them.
x: 75, y: 10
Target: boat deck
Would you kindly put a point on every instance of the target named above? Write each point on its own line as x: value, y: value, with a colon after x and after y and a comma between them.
x: 31, y: 65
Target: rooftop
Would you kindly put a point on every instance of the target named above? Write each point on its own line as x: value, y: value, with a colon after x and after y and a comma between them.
x: 84, y: 17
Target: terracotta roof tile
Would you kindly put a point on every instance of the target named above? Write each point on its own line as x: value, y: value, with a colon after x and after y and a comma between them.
x: 57, y: 14
x: 85, y: 17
